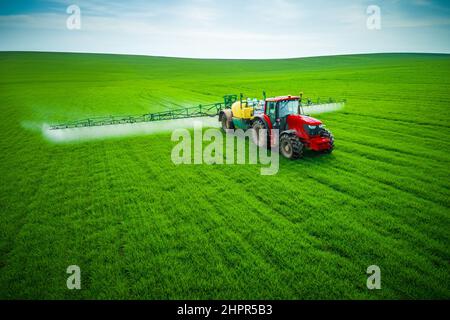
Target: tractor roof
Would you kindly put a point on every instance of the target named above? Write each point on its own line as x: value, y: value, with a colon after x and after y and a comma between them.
x: 283, y: 98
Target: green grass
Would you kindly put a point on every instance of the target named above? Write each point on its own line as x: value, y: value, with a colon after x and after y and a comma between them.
x: 142, y: 228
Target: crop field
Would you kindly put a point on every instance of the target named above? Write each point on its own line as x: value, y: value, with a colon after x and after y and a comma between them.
x: 141, y: 227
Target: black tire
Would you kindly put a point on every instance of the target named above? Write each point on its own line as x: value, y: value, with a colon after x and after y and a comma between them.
x: 291, y: 147
x: 256, y: 126
x: 327, y: 134
x: 226, y: 123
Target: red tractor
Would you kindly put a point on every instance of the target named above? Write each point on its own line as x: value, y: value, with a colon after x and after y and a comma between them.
x: 297, y: 131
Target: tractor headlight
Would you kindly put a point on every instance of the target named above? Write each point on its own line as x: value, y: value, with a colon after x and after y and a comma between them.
x: 311, y: 127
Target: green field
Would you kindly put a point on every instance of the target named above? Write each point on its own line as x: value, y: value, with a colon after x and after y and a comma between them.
x: 140, y: 227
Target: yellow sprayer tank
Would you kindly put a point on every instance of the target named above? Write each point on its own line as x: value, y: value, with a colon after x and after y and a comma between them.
x: 242, y: 110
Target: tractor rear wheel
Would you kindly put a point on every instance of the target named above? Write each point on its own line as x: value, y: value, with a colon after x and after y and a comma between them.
x: 258, y: 138
x: 291, y: 147
x: 226, y: 123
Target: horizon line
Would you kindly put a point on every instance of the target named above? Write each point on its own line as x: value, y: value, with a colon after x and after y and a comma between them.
x: 228, y: 59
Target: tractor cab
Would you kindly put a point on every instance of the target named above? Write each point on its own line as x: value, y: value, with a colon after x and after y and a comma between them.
x: 286, y: 113
x: 279, y: 108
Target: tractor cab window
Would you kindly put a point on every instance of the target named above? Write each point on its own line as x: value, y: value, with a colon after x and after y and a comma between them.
x: 288, y: 107
x: 271, y: 108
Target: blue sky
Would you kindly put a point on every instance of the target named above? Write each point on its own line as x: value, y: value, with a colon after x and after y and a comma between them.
x: 226, y: 29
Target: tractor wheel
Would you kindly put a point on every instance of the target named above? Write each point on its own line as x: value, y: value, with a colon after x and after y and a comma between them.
x: 226, y: 123
x: 260, y: 141
x: 291, y: 147
x: 327, y: 134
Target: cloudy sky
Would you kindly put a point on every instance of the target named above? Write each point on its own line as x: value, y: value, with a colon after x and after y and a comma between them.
x: 227, y: 29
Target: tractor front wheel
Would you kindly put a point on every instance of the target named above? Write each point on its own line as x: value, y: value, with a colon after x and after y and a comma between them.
x: 291, y: 147
x: 327, y: 134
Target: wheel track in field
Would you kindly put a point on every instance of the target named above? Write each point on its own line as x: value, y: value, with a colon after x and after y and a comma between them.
x: 367, y: 152
x: 393, y: 187
x: 347, y: 149
x: 237, y: 232
x: 271, y: 215
x: 157, y: 234
x: 409, y: 226
x: 360, y: 175
x: 405, y: 156
x: 403, y: 121
x: 394, y: 133
x: 399, y: 186
x: 271, y: 263
x: 423, y: 236
x: 405, y: 169
x: 280, y: 262
x: 367, y: 183
x: 35, y: 217
x: 33, y: 195
x: 377, y: 234
x: 369, y: 142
